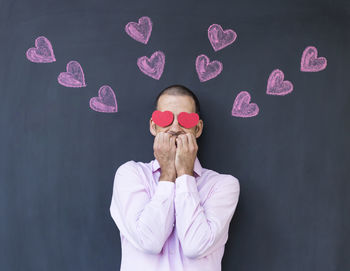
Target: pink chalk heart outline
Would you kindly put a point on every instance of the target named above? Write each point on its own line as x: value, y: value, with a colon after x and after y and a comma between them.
x: 105, y: 102
x: 310, y: 62
x: 73, y: 77
x: 140, y: 31
x: 276, y: 84
x: 207, y: 70
x: 242, y: 107
x: 152, y: 66
x: 42, y: 52
x: 219, y: 38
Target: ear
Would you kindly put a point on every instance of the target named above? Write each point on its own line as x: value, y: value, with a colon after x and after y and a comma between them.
x: 199, y: 128
x: 152, y: 127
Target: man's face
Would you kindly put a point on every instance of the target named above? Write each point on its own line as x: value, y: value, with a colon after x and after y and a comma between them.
x: 176, y: 104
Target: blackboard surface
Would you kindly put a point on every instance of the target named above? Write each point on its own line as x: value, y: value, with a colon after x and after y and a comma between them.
x: 58, y: 156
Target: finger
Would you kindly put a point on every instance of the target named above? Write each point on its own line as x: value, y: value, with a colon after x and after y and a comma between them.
x: 161, y: 138
x: 156, y: 140
x: 167, y: 139
x: 194, y: 140
x: 185, y: 142
x: 191, y: 145
x: 179, y: 142
x: 172, y: 143
x: 156, y: 146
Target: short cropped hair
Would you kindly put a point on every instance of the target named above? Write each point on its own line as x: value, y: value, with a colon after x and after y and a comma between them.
x: 179, y: 90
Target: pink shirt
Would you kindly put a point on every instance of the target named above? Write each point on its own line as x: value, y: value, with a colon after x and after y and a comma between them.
x: 181, y: 226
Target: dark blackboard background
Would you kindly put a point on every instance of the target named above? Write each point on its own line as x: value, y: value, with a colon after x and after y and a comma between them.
x: 58, y: 157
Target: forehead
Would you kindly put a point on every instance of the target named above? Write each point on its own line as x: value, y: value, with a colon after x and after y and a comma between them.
x: 176, y: 103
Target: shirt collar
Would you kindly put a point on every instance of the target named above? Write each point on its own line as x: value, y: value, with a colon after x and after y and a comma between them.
x: 197, y: 166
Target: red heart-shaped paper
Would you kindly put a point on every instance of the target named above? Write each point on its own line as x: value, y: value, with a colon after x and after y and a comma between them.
x: 162, y: 119
x: 188, y: 120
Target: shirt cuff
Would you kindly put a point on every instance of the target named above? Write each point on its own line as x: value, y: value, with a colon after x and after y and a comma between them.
x: 186, y: 183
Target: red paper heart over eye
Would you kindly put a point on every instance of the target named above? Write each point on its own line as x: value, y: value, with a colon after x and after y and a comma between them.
x: 162, y: 119
x: 188, y: 120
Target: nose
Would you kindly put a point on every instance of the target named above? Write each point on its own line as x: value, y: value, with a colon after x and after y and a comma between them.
x: 175, y: 128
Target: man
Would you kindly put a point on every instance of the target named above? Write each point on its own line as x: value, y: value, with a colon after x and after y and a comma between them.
x: 172, y: 213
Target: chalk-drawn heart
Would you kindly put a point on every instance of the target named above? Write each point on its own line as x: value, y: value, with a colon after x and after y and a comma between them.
x: 242, y: 107
x: 207, y: 70
x: 140, y: 31
x: 163, y: 119
x: 188, y: 120
x: 153, y: 66
x: 276, y: 85
x: 73, y: 77
x: 105, y: 102
x: 310, y: 62
x: 219, y: 38
x: 42, y: 52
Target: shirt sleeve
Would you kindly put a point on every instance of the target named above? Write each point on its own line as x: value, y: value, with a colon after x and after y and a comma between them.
x: 145, y: 221
x: 202, y: 229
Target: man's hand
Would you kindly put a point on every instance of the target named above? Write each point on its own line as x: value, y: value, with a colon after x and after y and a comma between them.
x: 164, y: 151
x: 186, y: 153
